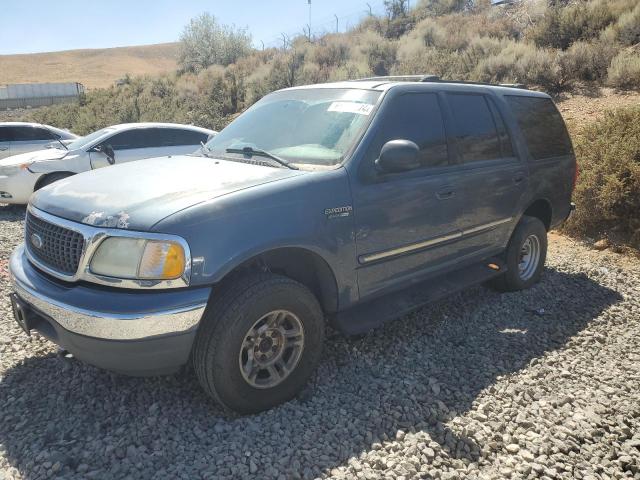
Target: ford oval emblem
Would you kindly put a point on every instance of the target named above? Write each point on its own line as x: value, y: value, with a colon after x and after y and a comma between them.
x: 36, y: 240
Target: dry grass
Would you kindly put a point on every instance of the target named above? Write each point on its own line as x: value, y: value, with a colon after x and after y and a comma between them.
x: 95, y: 68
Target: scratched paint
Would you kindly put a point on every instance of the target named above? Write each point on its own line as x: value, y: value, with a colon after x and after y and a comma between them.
x: 120, y: 220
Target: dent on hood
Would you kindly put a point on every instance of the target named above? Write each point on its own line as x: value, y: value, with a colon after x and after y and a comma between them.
x: 98, y: 219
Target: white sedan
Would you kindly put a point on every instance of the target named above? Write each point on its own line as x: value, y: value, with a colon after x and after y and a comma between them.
x: 21, y: 175
x: 23, y: 137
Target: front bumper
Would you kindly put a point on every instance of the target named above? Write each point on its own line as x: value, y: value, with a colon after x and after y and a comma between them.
x: 18, y: 188
x: 132, y: 332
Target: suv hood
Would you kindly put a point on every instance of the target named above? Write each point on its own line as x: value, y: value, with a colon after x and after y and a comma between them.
x: 35, y: 156
x: 139, y: 194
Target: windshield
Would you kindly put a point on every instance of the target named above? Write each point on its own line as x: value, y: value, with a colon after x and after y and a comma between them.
x: 85, y: 141
x: 305, y: 126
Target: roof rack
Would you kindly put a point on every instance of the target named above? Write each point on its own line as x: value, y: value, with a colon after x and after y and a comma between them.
x: 400, y: 78
x: 434, y: 78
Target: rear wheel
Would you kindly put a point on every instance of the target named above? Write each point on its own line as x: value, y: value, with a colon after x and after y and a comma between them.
x: 259, y: 342
x: 525, y: 256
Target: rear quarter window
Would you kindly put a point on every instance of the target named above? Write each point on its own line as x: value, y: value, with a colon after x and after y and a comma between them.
x: 542, y: 126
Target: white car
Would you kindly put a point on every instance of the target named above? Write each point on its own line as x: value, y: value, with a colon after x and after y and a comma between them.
x: 23, y: 137
x: 21, y: 175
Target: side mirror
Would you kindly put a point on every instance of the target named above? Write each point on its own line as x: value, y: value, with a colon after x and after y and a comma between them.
x: 107, y: 150
x: 398, y: 156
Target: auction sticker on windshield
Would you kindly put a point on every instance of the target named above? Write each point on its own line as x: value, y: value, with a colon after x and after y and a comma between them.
x: 351, y: 107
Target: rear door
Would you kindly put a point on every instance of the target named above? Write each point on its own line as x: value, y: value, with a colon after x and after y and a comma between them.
x: 406, y: 223
x: 5, y: 142
x: 551, y: 160
x: 493, y: 179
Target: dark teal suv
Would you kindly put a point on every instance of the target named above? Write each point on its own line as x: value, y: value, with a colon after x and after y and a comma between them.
x: 349, y: 203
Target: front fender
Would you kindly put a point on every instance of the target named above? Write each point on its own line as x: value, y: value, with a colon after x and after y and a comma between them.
x: 292, y: 213
x: 70, y: 163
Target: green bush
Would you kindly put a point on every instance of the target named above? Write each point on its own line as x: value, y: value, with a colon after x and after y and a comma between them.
x: 562, y: 26
x: 522, y: 63
x: 586, y: 61
x: 608, y: 191
x: 628, y: 27
x: 205, y: 42
x: 624, y: 72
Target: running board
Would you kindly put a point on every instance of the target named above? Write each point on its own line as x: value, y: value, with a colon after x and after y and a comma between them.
x: 366, y: 316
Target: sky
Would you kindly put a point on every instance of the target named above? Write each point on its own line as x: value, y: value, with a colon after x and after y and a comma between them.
x: 29, y: 26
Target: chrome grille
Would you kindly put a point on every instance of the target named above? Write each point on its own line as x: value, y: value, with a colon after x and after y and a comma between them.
x: 60, y: 248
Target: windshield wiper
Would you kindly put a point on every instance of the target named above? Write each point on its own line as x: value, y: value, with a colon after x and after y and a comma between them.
x: 262, y: 153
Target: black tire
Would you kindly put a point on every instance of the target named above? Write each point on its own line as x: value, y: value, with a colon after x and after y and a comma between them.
x: 512, y: 280
x: 230, y: 316
x: 51, y: 178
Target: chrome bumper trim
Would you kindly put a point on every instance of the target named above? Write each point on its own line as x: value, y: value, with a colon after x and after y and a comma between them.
x: 109, y: 326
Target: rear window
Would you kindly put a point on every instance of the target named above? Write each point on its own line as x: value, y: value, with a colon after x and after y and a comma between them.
x: 542, y: 126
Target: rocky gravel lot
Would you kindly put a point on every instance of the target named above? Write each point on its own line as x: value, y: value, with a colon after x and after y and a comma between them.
x: 537, y: 384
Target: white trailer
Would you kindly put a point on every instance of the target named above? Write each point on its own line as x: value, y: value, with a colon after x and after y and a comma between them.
x: 21, y: 95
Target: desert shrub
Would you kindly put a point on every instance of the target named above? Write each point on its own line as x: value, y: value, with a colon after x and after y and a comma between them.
x: 522, y: 63
x: 331, y: 51
x: 586, y: 61
x: 441, y: 7
x: 205, y: 42
x: 608, y: 190
x: 446, y: 65
x: 561, y: 26
x: 628, y: 27
x: 624, y: 72
x: 379, y: 53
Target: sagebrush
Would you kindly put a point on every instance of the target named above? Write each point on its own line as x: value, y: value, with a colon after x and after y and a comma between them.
x: 608, y: 190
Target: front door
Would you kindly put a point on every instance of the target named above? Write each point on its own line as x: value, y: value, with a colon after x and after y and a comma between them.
x: 406, y: 223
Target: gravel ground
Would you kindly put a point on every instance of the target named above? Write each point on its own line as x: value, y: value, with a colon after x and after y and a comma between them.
x: 537, y: 384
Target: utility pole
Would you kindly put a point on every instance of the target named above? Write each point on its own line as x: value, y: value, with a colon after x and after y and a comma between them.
x: 262, y: 45
x: 337, y: 27
x: 370, y: 10
x: 309, y: 3
x: 284, y: 41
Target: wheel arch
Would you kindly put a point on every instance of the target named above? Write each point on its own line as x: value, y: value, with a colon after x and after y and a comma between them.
x: 300, y: 264
x: 43, y: 177
x: 542, y: 210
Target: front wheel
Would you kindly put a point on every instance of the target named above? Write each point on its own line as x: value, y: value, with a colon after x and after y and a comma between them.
x: 525, y: 256
x: 259, y: 342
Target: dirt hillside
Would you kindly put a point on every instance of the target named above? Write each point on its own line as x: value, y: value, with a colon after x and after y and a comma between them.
x: 93, y: 67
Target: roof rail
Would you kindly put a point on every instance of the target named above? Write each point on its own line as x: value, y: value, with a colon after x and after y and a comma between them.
x: 434, y: 78
x: 400, y: 78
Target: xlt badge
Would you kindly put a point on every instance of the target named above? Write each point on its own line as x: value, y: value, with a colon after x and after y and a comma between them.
x: 336, y: 212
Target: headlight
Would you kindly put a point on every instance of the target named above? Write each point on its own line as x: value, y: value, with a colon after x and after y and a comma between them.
x: 13, y: 169
x: 135, y: 258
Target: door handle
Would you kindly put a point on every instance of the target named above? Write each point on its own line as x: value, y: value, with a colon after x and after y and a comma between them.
x: 518, y: 178
x: 445, y: 193
x: 2, y: 149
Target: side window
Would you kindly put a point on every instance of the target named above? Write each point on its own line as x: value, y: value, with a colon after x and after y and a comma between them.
x: 505, y: 140
x: 542, y: 126
x: 416, y: 117
x: 5, y: 134
x: 476, y: 135
x: 178, y: 137
x: 30, y: 134
x: 135, y: 138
